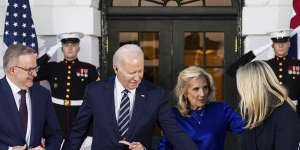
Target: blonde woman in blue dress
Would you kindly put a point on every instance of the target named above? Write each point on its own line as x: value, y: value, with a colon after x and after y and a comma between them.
x: 197, y: 113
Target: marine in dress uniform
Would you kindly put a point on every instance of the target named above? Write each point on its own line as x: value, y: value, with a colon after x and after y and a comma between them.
x: 67, y: 79
x: 287, y: 69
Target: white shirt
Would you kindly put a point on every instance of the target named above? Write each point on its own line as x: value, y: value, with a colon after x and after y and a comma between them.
x: 15, y: 89
x: 118, y: 97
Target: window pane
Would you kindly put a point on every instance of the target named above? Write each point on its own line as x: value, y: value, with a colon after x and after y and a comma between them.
x: 218, y: 2
x: 147, y: 3
x: 125, y: 3
x: 128, y: 38
x: 193, y: 48
x: 214, y: 42
x: 172, y: 4
x: 190, y: 3
x: 217, y: 74
x: 149, y: 42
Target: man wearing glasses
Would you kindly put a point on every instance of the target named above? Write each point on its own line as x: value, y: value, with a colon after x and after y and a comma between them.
x: 67, y: 79
x: 26, y: 112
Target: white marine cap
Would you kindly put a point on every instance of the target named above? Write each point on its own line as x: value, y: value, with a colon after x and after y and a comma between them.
x: 73, y: 37
x: 282, y: 35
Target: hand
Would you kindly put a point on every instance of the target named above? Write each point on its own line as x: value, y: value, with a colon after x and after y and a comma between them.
x: 133, y: 145
x: 37, y: 148
x: 53, y: 49
x: 19, y: 147
x: 261, y: 49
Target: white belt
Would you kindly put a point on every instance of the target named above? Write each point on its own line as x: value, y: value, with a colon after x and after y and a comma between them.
x: 66, y: 102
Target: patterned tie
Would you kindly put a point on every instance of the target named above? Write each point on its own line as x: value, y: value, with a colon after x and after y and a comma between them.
x: 23, y: 109
x: 124, y: 115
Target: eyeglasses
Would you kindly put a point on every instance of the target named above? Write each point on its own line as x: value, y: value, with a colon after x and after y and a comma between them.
x: 30, y: 70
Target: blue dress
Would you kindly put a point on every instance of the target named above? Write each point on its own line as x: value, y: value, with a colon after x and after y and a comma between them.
x: 207, y: 127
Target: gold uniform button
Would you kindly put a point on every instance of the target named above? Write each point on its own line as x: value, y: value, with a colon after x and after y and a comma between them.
x: 67, y: 102
x: 280, y: 69
x: 68, y: 90
x: 68, y: 77
x: 280, y: 76
x: 82, y: 79
x: 55, y: 78
x: 69, y: 67
x: 68, y: 83
x: 280, y: 83
x: 67, y: 96
x: 294, y: 77
x: 280, y: 64
x: 69, y: 72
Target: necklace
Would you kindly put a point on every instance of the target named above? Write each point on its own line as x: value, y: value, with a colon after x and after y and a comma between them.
x: 198, y: 115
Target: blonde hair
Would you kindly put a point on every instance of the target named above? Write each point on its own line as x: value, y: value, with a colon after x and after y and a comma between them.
x: 260, y: 92
x: 184, y: 78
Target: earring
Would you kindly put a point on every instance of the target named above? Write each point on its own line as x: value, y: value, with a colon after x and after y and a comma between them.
x: 186, y: 100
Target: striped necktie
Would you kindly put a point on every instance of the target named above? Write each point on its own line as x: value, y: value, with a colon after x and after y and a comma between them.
x: 124, y: 116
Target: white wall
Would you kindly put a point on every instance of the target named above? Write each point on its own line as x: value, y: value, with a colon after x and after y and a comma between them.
x: 52, y: 17
x: 263, y: 16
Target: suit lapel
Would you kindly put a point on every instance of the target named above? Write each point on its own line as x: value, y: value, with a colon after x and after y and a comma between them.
x: 110, y: 105
x: 10, y: 104
x: 34, y: 112
x: 138, y: 109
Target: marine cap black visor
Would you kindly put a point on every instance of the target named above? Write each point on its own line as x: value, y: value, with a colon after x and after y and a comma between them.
x: 280, y: 39
x: 70, y: 40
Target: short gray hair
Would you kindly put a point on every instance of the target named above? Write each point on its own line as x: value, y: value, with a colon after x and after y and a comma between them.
x: 13, y: 53
x: 125, y: 51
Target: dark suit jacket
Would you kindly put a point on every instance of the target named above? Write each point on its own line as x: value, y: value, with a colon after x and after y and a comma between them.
x: 44, y: 122
x: 280, y: 131
x: 150, y: 106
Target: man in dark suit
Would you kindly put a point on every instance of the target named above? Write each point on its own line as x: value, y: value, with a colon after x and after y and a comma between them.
x: 125, y: 108
x: 26, y: 111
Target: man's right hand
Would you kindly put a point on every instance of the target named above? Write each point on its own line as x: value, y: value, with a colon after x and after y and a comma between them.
x: 53, y: 49
x: 261, y: 49
x: 19, y: 147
